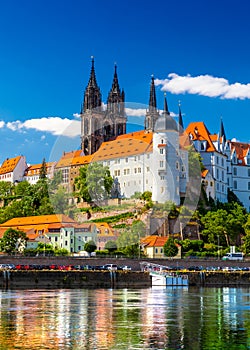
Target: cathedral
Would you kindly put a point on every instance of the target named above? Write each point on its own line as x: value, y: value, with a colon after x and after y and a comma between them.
x: 98, y: 124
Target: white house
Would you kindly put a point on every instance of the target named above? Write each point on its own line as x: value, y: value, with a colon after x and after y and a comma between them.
x: 12, y: 169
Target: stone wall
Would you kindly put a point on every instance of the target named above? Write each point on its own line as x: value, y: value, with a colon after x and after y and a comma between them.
x: 73, y: 279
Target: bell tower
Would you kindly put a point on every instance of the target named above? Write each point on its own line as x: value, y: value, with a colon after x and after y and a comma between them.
x: 152, y: 114
x: 97, y: 124
x: 115, y: 109
x: 91, y: 115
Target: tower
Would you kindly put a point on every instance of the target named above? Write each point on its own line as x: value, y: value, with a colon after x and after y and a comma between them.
x: 152, y: 114
x: 115, y: 118
x: 98, y: 125
x: 166, y: 159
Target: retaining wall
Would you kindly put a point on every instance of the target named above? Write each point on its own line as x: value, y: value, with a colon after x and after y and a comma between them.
x: 73, y: 279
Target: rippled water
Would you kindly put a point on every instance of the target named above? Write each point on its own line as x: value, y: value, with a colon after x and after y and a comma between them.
x: 154, y: 318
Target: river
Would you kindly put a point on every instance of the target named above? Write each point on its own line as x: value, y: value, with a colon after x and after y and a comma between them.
x: 131, y: 319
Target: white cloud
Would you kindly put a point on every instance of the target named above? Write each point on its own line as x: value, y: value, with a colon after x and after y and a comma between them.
x: 14, y: 126
x: 205, y: 85
x: 2, y: 123
x: 135, y: 112
x: 43, y: 137
x: 54, y: 125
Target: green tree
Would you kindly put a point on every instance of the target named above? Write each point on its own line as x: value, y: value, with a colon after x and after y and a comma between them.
x: 170, y: 248
x: 246, y: 239
x: 129, y: 239
x: 94, y: 183
x: 13, y: 241
x: 43, y: 170
x: 90, y: 247
x: 226, y: 224
x: 5, y: 189
x: 111, y: 246
x: 22, y: 189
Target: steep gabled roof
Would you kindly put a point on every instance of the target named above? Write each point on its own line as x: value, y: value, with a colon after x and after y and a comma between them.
x: 9, y: 165
x: 242, y: 150
x: 199, y: 132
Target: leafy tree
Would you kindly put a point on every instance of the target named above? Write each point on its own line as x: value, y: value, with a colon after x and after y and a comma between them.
x: 60, y: 201
x: 170, y: 248
x: 111, y: 246
x: 23, y: 188
x: 90, y: 247
x: 13, y: 241
x: 55, y: 182
x: 43, y: 170
x: 146, y: 196
x: 131, y: 236
x: 246, y: 239
x: 195, y: 164
x: 225, y: 224
x: 45, y: 249
x: 94, y: 183
x: 5, y: 189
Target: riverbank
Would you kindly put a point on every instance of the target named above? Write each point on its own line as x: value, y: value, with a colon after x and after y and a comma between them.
x: 112, y: 279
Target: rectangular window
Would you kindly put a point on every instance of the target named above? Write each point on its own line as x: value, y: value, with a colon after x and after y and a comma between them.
x: 161, y: 164
x: 248, y: 186
x: 161, y: 150
x: 235, y: 185
x: 235, y: 171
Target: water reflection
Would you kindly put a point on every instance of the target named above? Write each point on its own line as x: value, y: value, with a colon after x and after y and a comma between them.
x: 157, y: 318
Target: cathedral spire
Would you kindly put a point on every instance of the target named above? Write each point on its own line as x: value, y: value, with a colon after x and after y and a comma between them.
x: 115, y: 89
x: 92, y: 95
x: 165, y: 110
x: 222, y: 130
x: 152, y: 96
x: 181, y: 125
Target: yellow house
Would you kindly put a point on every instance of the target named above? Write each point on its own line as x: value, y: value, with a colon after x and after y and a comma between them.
x: 153, y: 247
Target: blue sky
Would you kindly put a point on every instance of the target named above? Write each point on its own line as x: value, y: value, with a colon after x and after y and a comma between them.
x: 197, y: 50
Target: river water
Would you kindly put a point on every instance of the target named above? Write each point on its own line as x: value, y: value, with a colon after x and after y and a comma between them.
x: 131, y: 319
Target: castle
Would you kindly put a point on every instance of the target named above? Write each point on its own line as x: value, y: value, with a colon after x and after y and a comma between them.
x: 154, y: 159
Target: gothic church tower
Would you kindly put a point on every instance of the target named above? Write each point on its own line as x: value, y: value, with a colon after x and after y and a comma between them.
x: 152, y: 114
x: 98, y: 125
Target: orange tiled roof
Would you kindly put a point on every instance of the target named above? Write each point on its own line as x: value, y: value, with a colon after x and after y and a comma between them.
x: 37, y: 220
x: 67, y: 158
x: 9, y: 165
x: 242, y: 150
x: 104, y: 226
x: 35, y: 169
x: 82, y: 160
x: 204, y: 173
x: 199, y: 132
x: 125, y: 145
x: 154, y: 241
